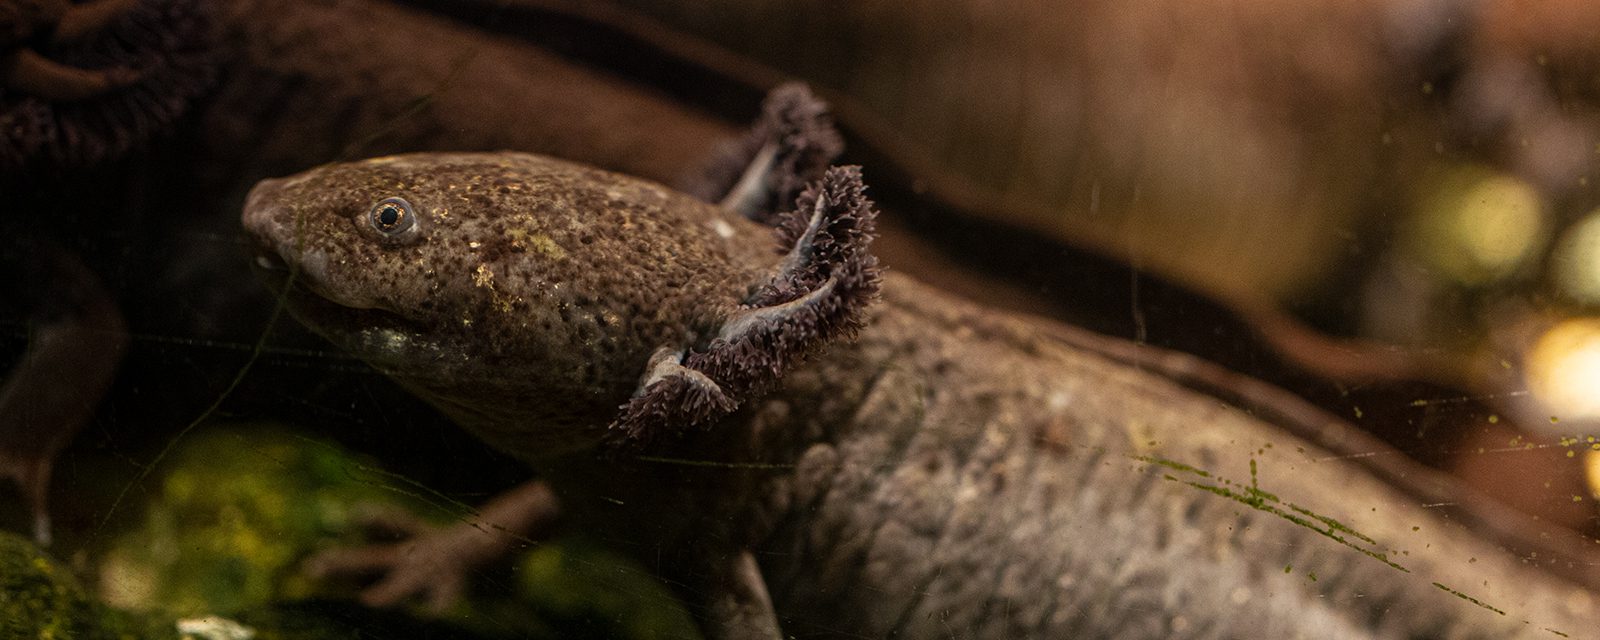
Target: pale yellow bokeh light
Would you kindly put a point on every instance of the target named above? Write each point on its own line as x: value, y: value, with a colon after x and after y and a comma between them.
x: 1591, y: 472
x: 1480, y: 226
x: 1577, y: 260
x: 1563, y: 369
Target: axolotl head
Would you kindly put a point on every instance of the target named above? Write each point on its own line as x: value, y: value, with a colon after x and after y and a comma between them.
x: 520, y: 294
x: 539, y: 303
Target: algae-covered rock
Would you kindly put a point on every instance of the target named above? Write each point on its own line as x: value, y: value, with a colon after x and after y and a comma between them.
x: 234, y: 514
x: 236, y: 511
x: 40, y: 599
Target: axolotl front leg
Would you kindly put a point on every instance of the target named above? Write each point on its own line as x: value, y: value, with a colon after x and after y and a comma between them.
x: 816, y: 294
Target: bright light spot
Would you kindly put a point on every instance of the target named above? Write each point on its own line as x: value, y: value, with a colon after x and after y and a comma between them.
x: 1564, y: 369
x: 1577, y: 261
x: 1480, y: 226
x: 214, y: 628
x: 1591, y: 472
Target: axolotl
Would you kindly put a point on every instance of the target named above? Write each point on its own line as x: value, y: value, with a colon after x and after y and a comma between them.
x: 804, y: 445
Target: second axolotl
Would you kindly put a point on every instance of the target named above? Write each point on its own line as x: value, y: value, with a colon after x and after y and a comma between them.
x: 804, y: 446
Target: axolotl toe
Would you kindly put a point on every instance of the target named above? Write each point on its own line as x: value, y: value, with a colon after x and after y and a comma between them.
x: 808, y: 448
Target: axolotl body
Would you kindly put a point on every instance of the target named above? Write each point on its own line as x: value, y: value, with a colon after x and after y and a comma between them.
x: 804, y: 446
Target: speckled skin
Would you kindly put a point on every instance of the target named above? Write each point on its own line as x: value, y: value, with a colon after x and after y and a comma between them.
x: 953, y: 472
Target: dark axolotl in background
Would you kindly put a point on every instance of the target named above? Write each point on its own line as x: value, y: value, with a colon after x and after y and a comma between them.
x: 27, y: 24
x: 691, y: 393
x: 81, y: 84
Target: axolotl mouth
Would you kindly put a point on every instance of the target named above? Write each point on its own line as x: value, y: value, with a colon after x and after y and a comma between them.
x: 356, y: 329
x: 297, y: 271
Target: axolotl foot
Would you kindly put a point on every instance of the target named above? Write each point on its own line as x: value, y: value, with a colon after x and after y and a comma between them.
x: 434, y: 564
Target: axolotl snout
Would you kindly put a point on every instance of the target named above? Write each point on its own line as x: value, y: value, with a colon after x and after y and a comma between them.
x: 934, y: 469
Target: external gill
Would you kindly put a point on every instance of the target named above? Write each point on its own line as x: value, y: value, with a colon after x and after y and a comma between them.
x: 670, y: 393
x: 755, y: 186
x: 818, y: 293
x: 790, y: 144
x: 801, y: 253
x: 746, y: 321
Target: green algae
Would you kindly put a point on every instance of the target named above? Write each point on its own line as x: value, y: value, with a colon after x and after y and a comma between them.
x: 1468, y: 598
x: 1331, y: 528
x: 42, y: 600
x: 1256, y: 498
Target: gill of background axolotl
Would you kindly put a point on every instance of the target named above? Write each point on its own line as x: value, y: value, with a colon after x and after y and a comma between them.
x: 309, y: 87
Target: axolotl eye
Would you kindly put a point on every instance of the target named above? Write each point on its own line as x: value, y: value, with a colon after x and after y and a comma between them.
x: 392, y: 218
